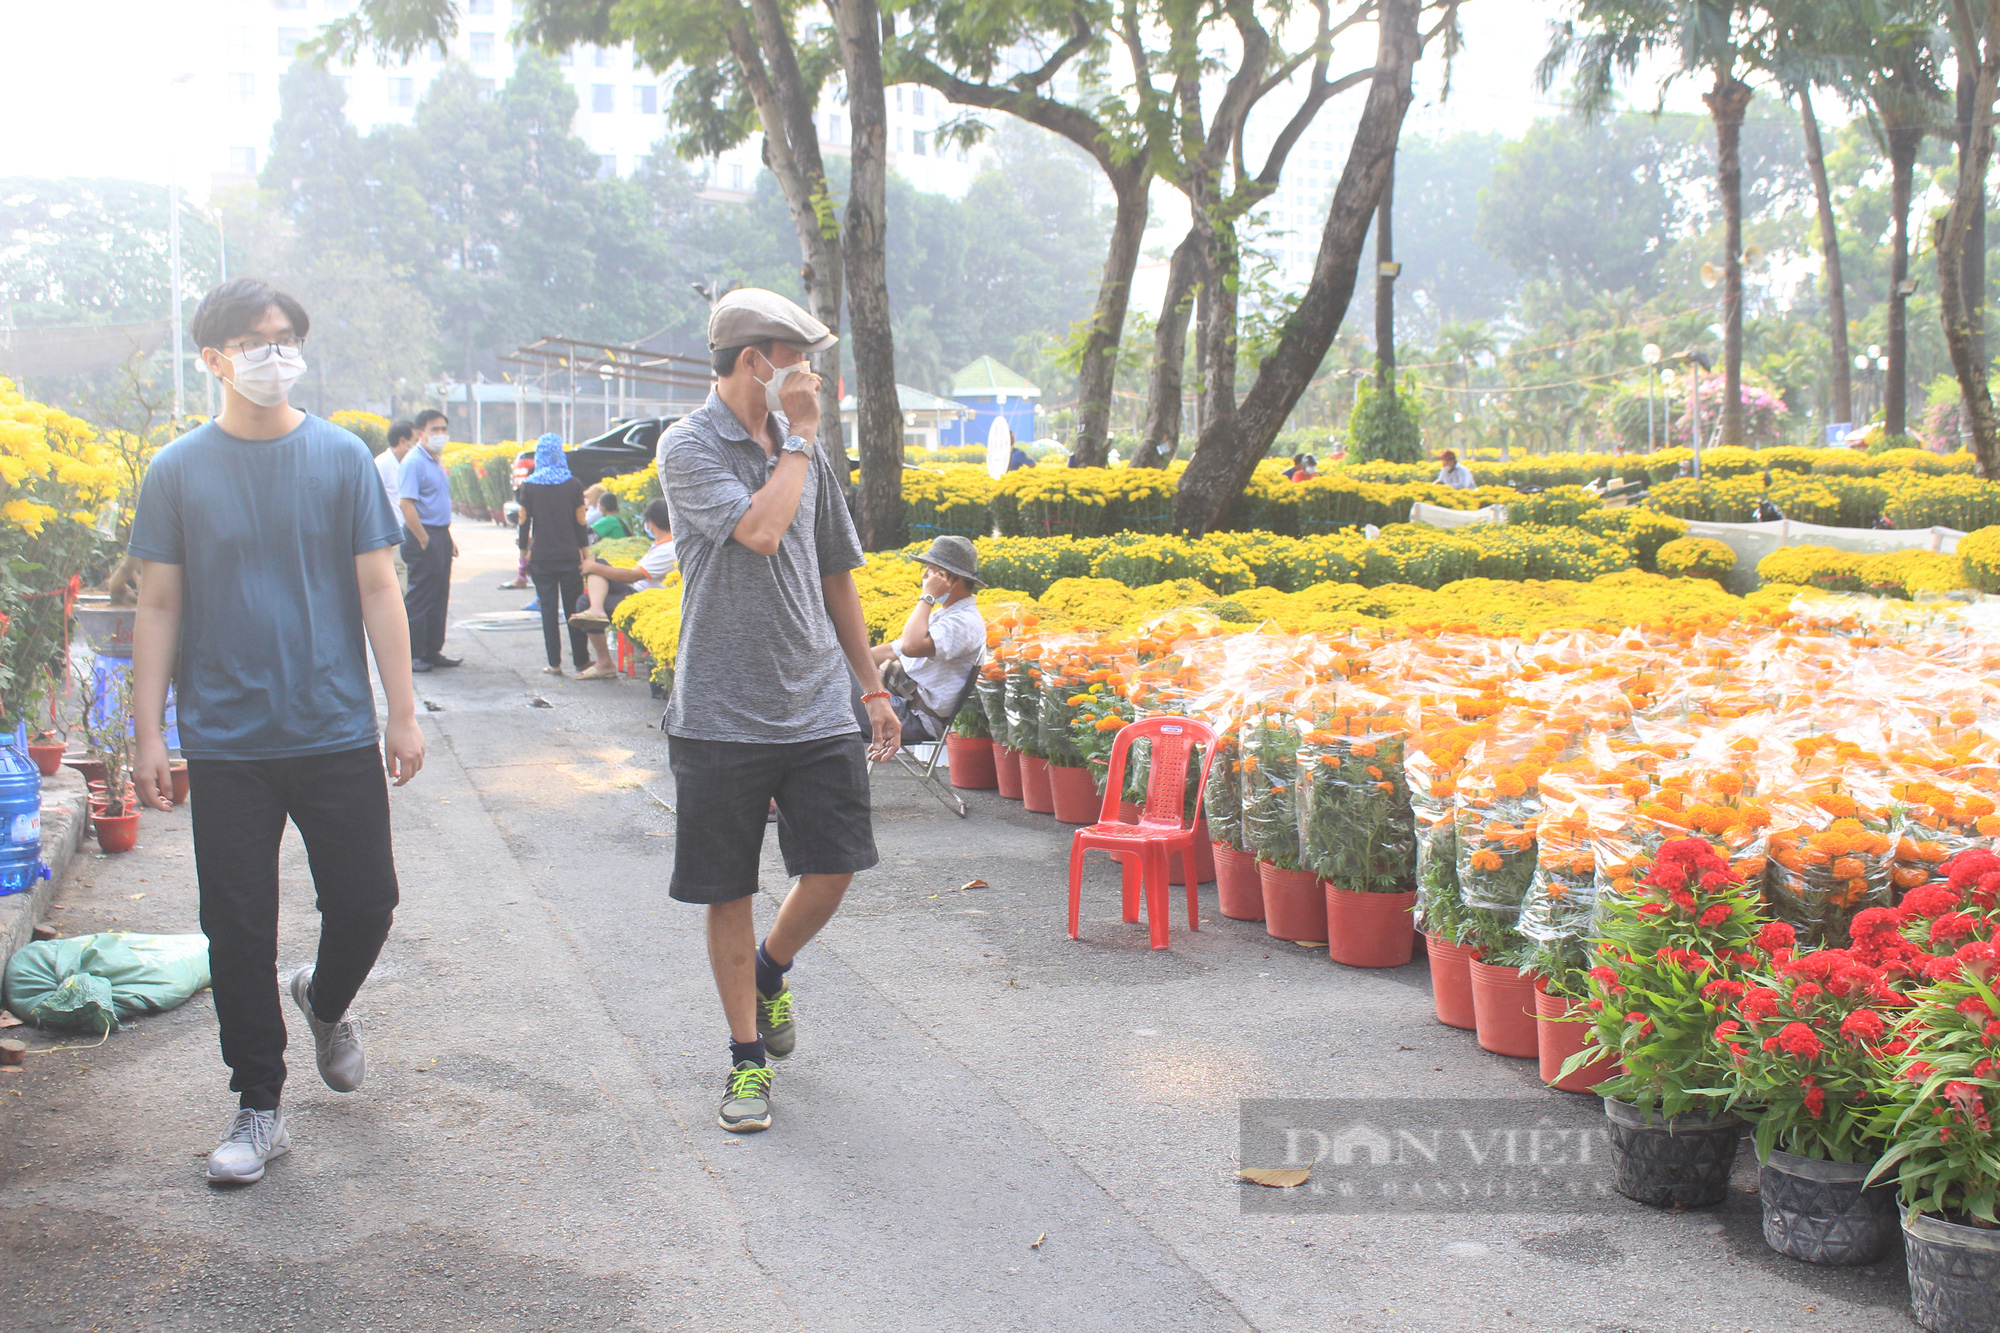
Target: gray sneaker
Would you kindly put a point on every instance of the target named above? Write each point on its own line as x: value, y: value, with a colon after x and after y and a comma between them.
x: 746, y: 1099
x: 337, y: 1045
x: 774, y: 1023
x: 253, y: 1138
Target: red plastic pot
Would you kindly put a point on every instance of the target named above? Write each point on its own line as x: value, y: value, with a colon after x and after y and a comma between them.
x: 1369, y: 929
x: 1558, y: 1041
x: 1294, y: 904
x: 1073, y: 795
x: 48, y: 758
x: 180, y: 774
x: 1036, y: 793
x: 1451, y: 982
x: 91, y: 769
x: 1007, y: 771
x: 970, y: 758
x: 1128, y: 813
x: 1239, y: 891
x: 116, y: 833
x: 1503, y: 1006
x: 1204, y: 859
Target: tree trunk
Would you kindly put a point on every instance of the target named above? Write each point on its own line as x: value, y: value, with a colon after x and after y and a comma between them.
x: 879, y: 416
x: 1097, y: 371
x: 1162, y: 438
x: 1972, y: 272
x: 1836, y: 284
x: 1904, y: 141
x: 791, y: 150
x: 1963, y: 320
x: 1726, y: 105
x: 1231, y: 447
x: 1219, y: 296
x: 1385, y: 287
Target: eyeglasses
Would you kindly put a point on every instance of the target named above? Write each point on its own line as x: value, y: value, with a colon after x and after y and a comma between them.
x: 257, y: 351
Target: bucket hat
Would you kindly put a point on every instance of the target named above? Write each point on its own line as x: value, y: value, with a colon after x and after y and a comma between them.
x: 954, y: 555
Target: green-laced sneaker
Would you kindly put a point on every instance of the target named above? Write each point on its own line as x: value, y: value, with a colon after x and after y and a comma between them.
x: 774, y: 1023
x: 746, y: 1099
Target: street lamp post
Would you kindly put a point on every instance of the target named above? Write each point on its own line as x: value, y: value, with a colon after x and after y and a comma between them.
x: 1873, y: 359
x: 1650, y: 354
x: 174, y: 263
x: 604, y: 378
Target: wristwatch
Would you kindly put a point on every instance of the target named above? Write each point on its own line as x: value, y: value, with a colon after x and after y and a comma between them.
x: 930, y: 598
x: 794, y: 445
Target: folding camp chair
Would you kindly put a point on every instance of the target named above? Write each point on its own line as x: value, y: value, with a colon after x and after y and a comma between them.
x: 925, y: 770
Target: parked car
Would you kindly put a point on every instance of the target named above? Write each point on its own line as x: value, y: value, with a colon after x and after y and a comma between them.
x: 627, y: 447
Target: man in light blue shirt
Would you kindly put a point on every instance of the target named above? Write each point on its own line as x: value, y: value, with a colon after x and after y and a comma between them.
x: 424, y: 492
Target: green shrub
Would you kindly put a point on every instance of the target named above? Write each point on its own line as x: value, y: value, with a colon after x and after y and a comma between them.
x: 1695, y: 558
x: 1386, y: 427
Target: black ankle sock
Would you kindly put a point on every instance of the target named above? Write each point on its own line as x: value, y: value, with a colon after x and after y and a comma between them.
x: 753, y: 1051
x: 769, y: 975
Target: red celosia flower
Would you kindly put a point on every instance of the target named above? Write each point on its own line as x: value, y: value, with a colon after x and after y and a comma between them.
x: 1715, y: 915
x: 1974, y: 1007
x: 1965, y: 1099
x: 1969, y: 867
x: 1727, y: 1028
x: 1645, y: 1023
x: 1777, y: 935
x: 1725, y: 988
x: 1863, y: 1027
x: 1796, y: 1039
x: 1978, y: 958
x: 1927, y: 900
x: 1805, y: 993
x: 1682, y: 899
x: 1652, y: 909
x: 1991, y: 1031
x: 1952, y: 926
x: 1815, y: 1098
x: 1758, y: 1003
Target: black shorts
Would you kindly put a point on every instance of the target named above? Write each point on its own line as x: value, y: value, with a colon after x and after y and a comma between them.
x: 723, y: 792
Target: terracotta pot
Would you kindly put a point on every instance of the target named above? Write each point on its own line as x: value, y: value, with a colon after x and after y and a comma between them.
x: 1558, y: 1041
x: 1369, y: 929
x: 48, y: 758
x: 1294, y: 903
x: 1678, y: 1163
x: 180, y: 773
x: 1036, y: 793
x: 91, y: 769
x: 1204, y: 859
x: 1128, y: 812
x: 1073, y: 795
x: 116, y: 833
x: 1007, y: 771
x: 1503, y: 1005
x: 1954, y: 1273
x: 1239, y: 891
x: 970, y: 758
x: 1451, y: 982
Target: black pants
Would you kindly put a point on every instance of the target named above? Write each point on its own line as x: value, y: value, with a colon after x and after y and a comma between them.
x: 340, y: 803
x: 557, y: 588
x: 430, y: 589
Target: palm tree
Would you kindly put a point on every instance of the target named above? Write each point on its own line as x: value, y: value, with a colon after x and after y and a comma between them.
x: 1464, y: 344
x: 1727, y: 40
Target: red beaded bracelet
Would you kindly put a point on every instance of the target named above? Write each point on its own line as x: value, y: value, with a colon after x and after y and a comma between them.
x: 879, y: 694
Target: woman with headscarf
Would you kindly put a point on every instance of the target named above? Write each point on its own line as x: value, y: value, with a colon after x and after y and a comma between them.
x: 551, y: 501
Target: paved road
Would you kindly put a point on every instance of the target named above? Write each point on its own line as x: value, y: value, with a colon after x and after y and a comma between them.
x: 535, y: 1148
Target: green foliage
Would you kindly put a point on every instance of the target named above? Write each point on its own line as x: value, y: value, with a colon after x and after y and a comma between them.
x: 1386, y: 427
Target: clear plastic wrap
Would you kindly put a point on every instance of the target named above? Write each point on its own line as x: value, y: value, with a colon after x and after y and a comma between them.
x: 1356, y: 827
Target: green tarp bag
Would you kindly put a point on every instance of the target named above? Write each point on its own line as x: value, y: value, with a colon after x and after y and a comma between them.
x: 92, y: 982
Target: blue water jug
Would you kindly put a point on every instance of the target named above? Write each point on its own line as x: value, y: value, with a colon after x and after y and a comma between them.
x: 20, y: 817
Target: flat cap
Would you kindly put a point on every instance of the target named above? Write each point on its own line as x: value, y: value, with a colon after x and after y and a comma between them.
x: 754, y: 315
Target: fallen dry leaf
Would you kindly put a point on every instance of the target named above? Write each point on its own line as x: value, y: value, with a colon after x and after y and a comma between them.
x: 1276, y: 1177
x: 8, y: 1020
x: 973, y: 884
x: 1036, y: 1243
x: 134, y: 897
x: 1310, y: 944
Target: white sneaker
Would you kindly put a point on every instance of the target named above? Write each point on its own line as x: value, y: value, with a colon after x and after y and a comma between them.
x: 252, y: 1139
x: 337, y: 1045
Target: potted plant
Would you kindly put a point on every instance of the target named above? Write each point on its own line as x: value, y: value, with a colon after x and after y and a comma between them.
x: 1064, y: 691
x: 1239, y: 893
x: 1359, y: 836
x: 108, y: 729
x: 992, y: 695
x: 1668, y: 939
x: 1556, y: 916
x: 969, y: 749
x: 1447, y: 925
x: 47, y: 745
x: 1806, y: 1043
x: 1938, y: 1120
x: 1024, y: 727
x: 1497, y: 807
x: 1294, y: 903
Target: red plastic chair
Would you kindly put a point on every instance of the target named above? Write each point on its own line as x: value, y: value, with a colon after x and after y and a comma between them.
x: 1143, y: 849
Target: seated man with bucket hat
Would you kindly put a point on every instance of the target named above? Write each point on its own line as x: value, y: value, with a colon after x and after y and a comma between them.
x: 941, y: 641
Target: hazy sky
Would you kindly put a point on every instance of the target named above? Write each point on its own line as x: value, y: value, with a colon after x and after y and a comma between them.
x: 88, y: 93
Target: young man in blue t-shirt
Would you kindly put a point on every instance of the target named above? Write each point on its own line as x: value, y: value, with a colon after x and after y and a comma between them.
x: 266, y: 540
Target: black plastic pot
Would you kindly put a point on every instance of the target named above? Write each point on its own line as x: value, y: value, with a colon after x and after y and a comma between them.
x: 1817, y: 1211
x: 1954, y: 1274
x: 1678, y: 1163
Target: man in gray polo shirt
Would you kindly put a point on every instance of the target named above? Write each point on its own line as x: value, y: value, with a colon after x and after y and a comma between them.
x: 771, y: 627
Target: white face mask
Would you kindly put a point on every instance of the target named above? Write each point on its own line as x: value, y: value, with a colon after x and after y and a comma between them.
x: 435, y: 444
x: 779, y: 374
x: 269, y: 381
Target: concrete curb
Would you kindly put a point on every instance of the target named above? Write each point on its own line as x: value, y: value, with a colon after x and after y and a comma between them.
x: 62, y: 837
